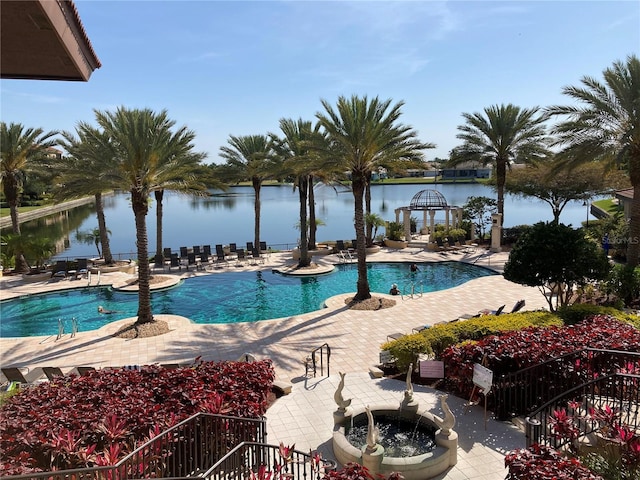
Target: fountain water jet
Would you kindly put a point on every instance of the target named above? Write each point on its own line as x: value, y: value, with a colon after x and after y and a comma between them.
x: 372, y: 454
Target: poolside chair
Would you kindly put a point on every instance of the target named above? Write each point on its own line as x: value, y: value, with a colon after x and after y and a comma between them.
x: 196, y: 250
x: 174, y: 261
x: 205, y: 260
x: 263, y: 247
x: 220, y: 256
x: 518, y: 306
x: 60, y: 269
x: 498, y: 311
x: 82, y: 370
x: 395, y: 336
x: 233, y: 249
x: 192, y: 260
x: 441, y: 246
x: 52, y: 372
x: 257, y: 257
x: 250, y: 247
x: 207, y: 249
x: 340, y: 246
x: 82, y: 269
x: 241, y: 258
x: 184, y: 251
x: 15, y: 375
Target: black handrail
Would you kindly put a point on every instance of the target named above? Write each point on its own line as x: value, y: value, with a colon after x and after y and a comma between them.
x: 619, y: 391
x: 313, y: 358
x: 520, y: 392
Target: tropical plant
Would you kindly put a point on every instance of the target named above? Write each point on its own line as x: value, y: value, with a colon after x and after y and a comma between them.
x: 555, y: 258
x: 479, y: 211
x: 91, y: 236
x: 251, y: 158
x: 503, y: 134
x: 91, y: 155
x: 395, y: 231
x: 150, y: 156
x: 363, y: 135
x: 37, y: 250
x: 20, y: 150
x: 373, y: 222
x: 605, y: 127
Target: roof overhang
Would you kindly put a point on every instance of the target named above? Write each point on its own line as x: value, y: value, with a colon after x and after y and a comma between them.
x: 44, y: 40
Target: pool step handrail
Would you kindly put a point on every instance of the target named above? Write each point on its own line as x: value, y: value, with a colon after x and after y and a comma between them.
x: 311, y: 362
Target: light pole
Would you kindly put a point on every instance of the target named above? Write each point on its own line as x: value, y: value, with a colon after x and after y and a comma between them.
x: 586, y: 204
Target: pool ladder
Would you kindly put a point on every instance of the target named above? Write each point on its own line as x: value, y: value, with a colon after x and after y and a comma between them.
x: 74, y: 328
x: 411, y: 291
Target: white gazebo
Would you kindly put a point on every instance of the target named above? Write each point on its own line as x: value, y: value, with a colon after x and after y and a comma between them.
x: 429, y: 202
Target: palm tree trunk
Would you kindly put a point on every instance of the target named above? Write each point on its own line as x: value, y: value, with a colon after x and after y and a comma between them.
x: 102, y: 227
x: 257, y: 183
x: 11, y: 194
x: 159, y: 194
x: 367, y: 203
x: 140, y: 209
x: 358, y: 187
x: 313, y: 227
x: 303, y: 186
x: 501, y: 178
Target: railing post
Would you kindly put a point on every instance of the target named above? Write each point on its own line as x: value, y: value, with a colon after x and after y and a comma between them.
x: 532, y: 431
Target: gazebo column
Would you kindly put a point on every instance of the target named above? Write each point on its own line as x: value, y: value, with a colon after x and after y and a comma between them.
x: 397, y: 210
x: 424, y: 222
x: 406, y: 219
x: 446, y: 219
x: 432, y: 224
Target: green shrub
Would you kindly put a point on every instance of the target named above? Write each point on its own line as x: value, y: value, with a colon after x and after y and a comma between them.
x: 577, y: 312
x: 436, y: 339
x: 406, y: 349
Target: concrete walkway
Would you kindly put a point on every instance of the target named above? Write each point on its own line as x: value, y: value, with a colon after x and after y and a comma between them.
x: 304, y: 417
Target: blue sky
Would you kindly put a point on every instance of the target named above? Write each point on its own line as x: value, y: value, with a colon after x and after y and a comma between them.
x: 235, y: 68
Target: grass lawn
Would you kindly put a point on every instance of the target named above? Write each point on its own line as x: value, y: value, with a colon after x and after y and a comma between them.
x: 5, y: 212
x: 608, y: 205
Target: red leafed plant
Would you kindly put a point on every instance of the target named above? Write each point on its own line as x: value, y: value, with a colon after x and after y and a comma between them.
x: 99, y: 418
x: 543, y: 463
x: 514, y: 350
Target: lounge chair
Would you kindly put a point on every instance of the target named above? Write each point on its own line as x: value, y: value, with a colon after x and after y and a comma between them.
x: 82, y: 370
x: 518, y: 306
x: 205, y: 260
x: 241, y: 258
x: 257, y: 258
x: 60, y: 269
x: 395, y: 336
x: 196, y: 249
x: 82, y: 269
x: 184, y: 251
x: 340, y: 246
x: 441, y: 246
x: 15, y: 375
x: 233, y: 250
x: 220, y: 256
x: 174, y: 261
x: 192, y: 260
x: 52, y: 372
x: 207, y: 249
x: 250, y: 247
x: 263, y: 247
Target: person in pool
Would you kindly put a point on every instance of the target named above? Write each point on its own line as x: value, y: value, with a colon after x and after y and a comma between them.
x: 104, y: 310
x: 414, y: 268
x: 394, y: 290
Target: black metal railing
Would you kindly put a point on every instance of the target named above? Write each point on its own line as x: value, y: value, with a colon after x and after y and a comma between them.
x: 319, y: 359
x: 185, y: 450
x: 619, y: 391
x: 521, y: 392
x: 250, y: 456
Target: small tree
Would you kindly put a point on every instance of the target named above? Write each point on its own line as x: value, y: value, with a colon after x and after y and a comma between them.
x: 555, y: 258
x: 479, y: 211
x: 374, y: 221
x: 92, y: 236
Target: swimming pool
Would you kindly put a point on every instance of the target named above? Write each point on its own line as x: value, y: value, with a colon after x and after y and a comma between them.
x: 223, y: 297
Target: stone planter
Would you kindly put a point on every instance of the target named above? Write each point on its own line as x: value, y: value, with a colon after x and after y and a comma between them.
x: 398, y: 244
x: 373, y: 249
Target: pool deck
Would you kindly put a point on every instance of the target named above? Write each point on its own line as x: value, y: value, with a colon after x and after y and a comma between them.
x: 304, y: 417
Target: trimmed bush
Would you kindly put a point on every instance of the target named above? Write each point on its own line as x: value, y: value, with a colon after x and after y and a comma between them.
x: 577, y: 312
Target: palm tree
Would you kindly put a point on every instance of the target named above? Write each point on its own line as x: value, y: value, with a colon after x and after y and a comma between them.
x: 89, y: 170
x: 251, y: 157
x: 505, y: 133
x: 147, y: 151
x: 364, y: 135
x: 20, y: 151
x: 299, y: 158
x: 605, y: 127
x: 92, y: 236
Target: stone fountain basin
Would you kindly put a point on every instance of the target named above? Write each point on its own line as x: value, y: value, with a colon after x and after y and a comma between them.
x: 418, y: 467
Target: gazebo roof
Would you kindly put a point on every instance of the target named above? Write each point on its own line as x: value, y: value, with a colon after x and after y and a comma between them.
x: 428, y: 200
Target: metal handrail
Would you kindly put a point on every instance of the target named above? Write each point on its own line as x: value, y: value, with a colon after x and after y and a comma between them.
x: 322, y: 353
x: 188, y: 447
x: 618, y: 391
x: 520, y: 392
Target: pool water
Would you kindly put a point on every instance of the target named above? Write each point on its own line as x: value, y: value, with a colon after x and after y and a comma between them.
x: 223, y: 297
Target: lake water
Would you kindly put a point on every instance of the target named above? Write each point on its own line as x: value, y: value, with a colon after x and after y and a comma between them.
x: 229, y: 217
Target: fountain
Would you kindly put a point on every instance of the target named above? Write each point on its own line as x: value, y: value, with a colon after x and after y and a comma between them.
x: 428, y: 445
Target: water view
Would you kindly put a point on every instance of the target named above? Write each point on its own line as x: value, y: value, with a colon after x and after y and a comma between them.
x: 229, y: 216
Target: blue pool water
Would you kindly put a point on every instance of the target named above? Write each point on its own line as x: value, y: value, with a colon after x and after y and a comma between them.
x: 223, y: 297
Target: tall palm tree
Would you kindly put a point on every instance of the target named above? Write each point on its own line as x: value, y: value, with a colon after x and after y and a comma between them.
x: 299, y: 158
x: 605, y: 126
x: 251, y: 157
x: 504, y: 133
x: 363, y: 135
x: 147, y: 151
x: 88, y: 170
x: 20, y: 150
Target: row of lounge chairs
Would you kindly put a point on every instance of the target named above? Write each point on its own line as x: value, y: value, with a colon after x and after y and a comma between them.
x: 63, y: 269
x: 202, y: 258
x: 458, y: 245
x: 346, y: 254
